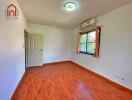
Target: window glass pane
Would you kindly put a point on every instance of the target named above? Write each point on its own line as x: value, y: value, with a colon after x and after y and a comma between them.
x: 92, y: 36
x: 83, y: 47
x: 91, y: 48
x: 83, y: 38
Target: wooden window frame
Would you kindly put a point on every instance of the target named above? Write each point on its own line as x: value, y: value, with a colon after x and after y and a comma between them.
x: 97, y: 42
x: 98, y: 34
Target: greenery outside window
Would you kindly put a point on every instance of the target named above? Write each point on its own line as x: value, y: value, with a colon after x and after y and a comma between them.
x: 89, y: 42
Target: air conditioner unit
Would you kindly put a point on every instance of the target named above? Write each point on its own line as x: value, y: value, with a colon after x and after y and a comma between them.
x: 89, y: 23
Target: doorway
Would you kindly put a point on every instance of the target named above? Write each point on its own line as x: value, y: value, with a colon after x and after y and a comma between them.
x: 33, y: 49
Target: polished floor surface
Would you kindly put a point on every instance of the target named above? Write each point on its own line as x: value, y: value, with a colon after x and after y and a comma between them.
x: 66, y: 81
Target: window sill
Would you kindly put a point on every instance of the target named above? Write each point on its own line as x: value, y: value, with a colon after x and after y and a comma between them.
x: 86, y: 53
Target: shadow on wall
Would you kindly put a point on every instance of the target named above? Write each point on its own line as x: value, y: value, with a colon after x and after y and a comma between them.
x: 9, y: 77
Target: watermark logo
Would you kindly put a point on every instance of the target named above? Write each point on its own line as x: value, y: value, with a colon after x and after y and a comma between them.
x: 11, y: 12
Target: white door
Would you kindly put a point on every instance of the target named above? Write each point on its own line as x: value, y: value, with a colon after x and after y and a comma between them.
x: 35, y: 50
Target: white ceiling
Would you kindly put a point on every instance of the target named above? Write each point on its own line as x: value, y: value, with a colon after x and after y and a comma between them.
x: 51, y: 12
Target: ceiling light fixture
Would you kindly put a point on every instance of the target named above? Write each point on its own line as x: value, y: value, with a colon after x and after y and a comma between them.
x: 70, y: 6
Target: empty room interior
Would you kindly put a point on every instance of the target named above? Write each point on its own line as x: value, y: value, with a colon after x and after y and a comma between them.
x: 66, y: 50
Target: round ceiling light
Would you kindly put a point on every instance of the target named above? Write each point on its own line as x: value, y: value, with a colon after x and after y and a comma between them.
x: 70, y: 6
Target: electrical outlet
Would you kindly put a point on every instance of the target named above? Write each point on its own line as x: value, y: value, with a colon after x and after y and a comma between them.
x: 120, y: 78
x: 123, y: 79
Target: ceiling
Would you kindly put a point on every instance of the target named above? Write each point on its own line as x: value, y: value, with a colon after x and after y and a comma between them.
x: 51, y: 12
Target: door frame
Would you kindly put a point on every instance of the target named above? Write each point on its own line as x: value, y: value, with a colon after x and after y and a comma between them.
x: 26, y: 46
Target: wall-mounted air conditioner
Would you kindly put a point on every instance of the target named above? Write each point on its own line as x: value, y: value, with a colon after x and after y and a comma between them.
x: 89, y: 23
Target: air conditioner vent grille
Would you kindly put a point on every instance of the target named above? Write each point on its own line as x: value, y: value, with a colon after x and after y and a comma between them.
x: 88, y: 25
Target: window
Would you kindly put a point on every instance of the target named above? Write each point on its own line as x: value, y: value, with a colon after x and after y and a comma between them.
x: 89, y: 42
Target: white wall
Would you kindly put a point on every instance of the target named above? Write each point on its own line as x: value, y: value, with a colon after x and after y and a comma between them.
x: 12, y: 63
x: 57, y: 42
x: 115, y: 61
x: 115, y: 52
